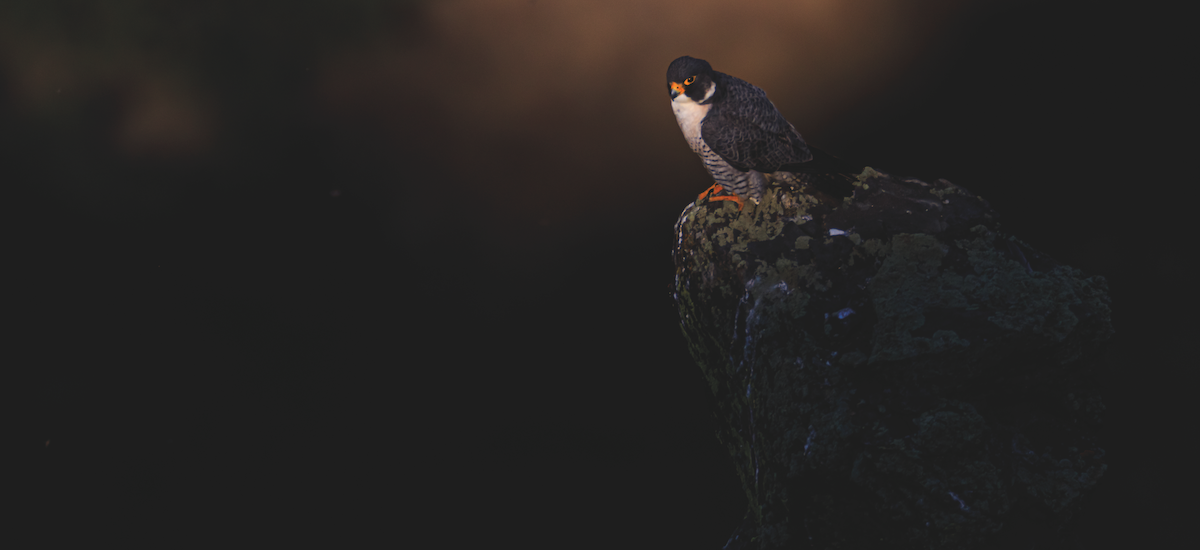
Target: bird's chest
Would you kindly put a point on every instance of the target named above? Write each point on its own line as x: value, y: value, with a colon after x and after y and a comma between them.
x: 689, y: 115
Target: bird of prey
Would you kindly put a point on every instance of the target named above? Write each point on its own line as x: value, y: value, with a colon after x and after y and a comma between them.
x: 737, y: 132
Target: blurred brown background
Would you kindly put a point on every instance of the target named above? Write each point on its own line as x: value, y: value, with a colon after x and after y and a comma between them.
x: 367, y: 268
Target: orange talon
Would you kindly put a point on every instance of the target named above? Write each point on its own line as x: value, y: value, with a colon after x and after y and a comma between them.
x: 716, y: 188
x: 711, y: 193
x: 733, y: 198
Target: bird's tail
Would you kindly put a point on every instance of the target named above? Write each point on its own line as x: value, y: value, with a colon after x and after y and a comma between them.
x: 827, y: 173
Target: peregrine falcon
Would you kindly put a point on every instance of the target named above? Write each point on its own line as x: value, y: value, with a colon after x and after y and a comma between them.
x: 736, y: 130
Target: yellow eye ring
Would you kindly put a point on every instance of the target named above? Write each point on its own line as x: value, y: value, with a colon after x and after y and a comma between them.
x: 689, y: 81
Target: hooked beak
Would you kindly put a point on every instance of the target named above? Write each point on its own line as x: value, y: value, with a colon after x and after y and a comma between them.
x: 676, y: 89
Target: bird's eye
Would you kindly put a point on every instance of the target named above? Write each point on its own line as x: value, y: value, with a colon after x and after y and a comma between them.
x: 689, y: 81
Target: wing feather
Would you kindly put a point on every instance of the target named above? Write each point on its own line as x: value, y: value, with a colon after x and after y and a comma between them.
x: 746, y: 129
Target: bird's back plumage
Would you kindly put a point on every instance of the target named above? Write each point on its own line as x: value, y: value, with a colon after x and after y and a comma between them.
x: 746, y: 129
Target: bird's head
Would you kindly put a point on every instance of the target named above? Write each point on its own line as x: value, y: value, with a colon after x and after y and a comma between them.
x: 690, y: 78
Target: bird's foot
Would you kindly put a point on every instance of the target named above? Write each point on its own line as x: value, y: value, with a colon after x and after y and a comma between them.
x: 716, y: 188
x: 711, y: 193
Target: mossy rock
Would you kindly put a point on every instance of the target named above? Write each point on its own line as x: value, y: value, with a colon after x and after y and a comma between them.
x: 891, y: 369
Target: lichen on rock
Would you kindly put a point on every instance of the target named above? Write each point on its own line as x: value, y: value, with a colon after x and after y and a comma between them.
x: 890, y: 368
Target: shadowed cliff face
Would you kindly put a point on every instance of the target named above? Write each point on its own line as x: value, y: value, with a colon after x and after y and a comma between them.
x: 883, y: 365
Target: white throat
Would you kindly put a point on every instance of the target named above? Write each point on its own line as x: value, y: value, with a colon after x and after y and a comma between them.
x: 689, y: 114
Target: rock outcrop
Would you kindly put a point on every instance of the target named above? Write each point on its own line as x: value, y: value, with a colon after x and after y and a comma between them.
x: 891, y: 369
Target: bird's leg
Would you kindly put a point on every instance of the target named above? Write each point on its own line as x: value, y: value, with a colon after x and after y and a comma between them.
x: 711, y: 193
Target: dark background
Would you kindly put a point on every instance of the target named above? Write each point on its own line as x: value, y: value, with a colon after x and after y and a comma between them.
x: 396, y: 270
